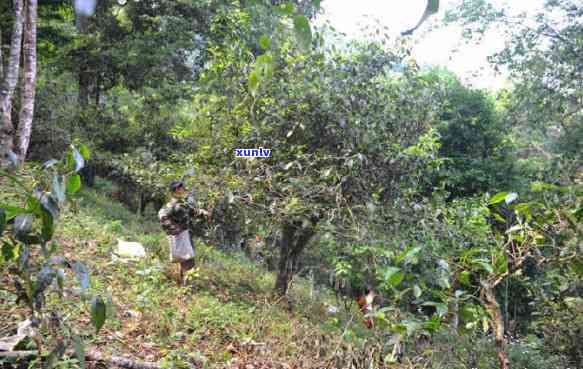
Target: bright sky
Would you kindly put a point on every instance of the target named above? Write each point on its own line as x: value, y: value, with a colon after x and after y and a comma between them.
x: 437, y: 47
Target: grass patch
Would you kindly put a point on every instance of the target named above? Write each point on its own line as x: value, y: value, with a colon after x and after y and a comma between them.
x: 230, y: 316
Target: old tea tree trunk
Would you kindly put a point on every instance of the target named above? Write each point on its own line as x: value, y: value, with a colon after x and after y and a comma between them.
x: 29, y: 80
x: 8, y: 82
x: 493, y: 309
x: 295, y: 236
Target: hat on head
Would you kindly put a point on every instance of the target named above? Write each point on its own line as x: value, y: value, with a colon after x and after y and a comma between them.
x: 175, y: 185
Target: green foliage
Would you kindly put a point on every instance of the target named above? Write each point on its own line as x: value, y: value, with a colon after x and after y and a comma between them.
x: 541, y: 56
x: 303, y: 32
x: 97, y: 313
x: 436, y: 195
x: 473, y: 139
x: 29, y: 250
x: 532, y: 354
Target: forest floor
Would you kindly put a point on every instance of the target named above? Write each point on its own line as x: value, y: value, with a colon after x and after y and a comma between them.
x: 230, y: 319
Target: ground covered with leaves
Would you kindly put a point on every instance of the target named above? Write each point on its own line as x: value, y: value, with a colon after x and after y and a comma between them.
x: 228, y: 316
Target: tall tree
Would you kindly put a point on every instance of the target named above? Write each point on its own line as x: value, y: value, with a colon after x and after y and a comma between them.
x: 8, y: 85
x: 1, y: 59
x: 29, y: 79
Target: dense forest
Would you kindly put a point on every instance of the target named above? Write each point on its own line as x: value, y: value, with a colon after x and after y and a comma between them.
x: 398, y: 217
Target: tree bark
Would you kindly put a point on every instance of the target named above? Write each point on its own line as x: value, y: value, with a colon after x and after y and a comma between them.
x: 493, y: 308
x: 29, y: 86
x: 1, y: 58
x: 294, y: 238
x: 8, y: 86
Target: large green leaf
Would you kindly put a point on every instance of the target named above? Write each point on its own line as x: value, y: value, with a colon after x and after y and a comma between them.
x: 98, y: 311
x: 253, y: 82
x: 48, y: 211
x: 303, y: 31
x: 499, y: 197
x: 73, y: 183
x: 393, y: 276
x: 48, y: 203
x: 84, y: 151
x: 43, y: 281
x: 48, y: 226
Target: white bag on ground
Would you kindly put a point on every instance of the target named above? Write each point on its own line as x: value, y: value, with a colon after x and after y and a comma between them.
x: 181, y: 248
x: 130, y: 249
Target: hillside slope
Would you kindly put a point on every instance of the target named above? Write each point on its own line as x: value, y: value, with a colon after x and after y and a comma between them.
x: 229, y: 319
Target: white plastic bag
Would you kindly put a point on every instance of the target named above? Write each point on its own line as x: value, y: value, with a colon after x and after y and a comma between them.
x: 181, y: 248
x: 130, y: 249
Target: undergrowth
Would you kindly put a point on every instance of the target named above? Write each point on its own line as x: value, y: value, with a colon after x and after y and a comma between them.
x: 228, y: 316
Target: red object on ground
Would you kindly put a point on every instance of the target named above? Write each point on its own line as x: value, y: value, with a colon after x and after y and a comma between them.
x: 365, y: 304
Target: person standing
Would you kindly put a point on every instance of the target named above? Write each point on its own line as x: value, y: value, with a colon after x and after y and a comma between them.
x: 178, y: 218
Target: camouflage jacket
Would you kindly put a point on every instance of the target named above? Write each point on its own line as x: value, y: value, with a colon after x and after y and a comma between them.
x: 179, y: 215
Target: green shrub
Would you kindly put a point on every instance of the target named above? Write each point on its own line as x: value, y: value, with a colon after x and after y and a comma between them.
x: 531, y: 355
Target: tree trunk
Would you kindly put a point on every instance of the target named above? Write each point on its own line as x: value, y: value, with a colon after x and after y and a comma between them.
x: 84, y: 82
x: 1, y: 58
x: 294, y: 238
x: 285, y: 268
x: 29, y: 86
x: 8, y: 85
x: 84, y: 76
x: 493, y: 308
